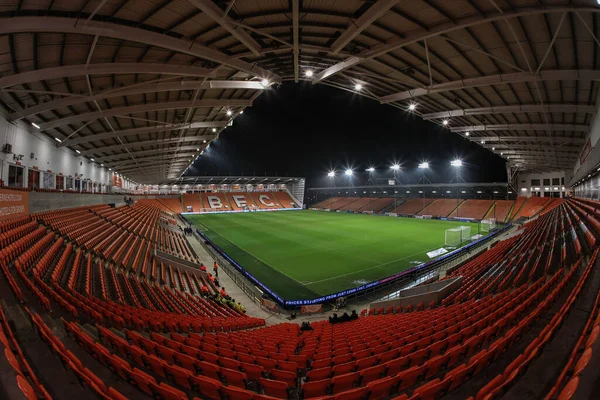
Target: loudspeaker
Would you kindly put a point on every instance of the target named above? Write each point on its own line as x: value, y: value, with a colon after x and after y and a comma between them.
x: 7, y: 148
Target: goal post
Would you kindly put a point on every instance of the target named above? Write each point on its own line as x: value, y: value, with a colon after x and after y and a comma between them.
x: 454, y: 237
x: 487, y: 225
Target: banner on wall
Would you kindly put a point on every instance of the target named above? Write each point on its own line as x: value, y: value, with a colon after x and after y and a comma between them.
x: 587, y: 149
x: 315, y: 308
x: 13, y: 204
x: 271, y: 305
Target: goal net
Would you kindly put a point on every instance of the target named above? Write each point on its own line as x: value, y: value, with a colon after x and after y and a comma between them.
x: 456, y: 236
x: 488, y: 225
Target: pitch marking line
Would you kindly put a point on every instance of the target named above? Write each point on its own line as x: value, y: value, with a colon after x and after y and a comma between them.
x: 259, y: 259
x: 364, y: 269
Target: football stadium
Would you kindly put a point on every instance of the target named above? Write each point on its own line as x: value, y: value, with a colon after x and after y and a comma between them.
x: 300, y: 199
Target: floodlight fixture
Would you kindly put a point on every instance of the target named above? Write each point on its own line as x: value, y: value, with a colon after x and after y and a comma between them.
x: 309, y: 73
x: 197, y: 149
x: 456, y: 163
x: 331, y: 174
x: 204, y: 141
x: 35, y: 125
x: 483, y: 142
x: 348, y: 172
x: 395, y: 167
x: 445, y: 122
x: 241, y: 112
x: 58, y: 140
x: 412, y: 106
x: 467, y: 133
x: 264, y: 82
x: 229, y: 113
x: 424, y: 165
x: 493, y: 148
x: 78, y: 152
x: 214, y: 130
x: 370, y: 169
x: 92, y: 159
x: 358, y: 87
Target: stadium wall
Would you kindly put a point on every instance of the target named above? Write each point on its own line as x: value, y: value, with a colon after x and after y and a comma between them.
x: 44, y: 201
x: 589, y: 157
x: 525, y: 188
x: 25, y: 139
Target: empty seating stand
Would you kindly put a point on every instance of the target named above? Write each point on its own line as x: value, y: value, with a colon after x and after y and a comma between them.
x: 148, y: 326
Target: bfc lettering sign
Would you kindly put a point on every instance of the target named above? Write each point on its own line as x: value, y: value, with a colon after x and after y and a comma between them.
x: 214, y: 201
x: 266, y: 200
x: 13, y: 204
x: 240, y: 200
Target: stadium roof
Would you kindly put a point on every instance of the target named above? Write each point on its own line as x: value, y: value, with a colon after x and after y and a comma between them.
x: 141, y: 85
x: 231, y: 180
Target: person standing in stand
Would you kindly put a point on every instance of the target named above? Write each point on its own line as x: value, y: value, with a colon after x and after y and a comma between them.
x: 216, y: 269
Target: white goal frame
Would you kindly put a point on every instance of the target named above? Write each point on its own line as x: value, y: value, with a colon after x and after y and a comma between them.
x: 488, y: 225
x: 454, y: 237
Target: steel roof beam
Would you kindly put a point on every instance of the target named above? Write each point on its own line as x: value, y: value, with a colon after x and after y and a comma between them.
x: 374, y: 12
x: 518, y: 109
x: 507, y: 148
x: 117, y: 157
x: 116, y: 147
x: 134, y: 90
x: 141, y: 108
x: 517, y: 77
x: 522, y: 127
x: 128, y: 33
x: 149, y: 166
x: 126, y: 162
x: 140, y: 131
x: 538, y: 139
x: 68, y: 71
x: 296, y: 36
x: 446, y: 26
x: 216, y: 14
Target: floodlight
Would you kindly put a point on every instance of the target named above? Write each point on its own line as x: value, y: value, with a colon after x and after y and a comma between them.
x: 348, y: 172
x: 501, y: 153
x: 58, y: 140
x: 483, y: 142
x: 412, y: 106
x: 214, y: 130
x: 445, y: 122
x: 35, y: 125
x: 241, y: 112
x: 78, y: 152
x: 204, y: 141
x: 102, y: 165
x: 395, y: 167
x: 424, y: 165
x: 456, y: 163
x: 331, y: 174
x: 370, y: 169
x: 358, y: 87
x: 229, y: 112
x: 309, y: 73
x: 493, y: 148
x: 264, y: 82
x: 92, y: 159
x: 467, y: 133
x: 197, y: 149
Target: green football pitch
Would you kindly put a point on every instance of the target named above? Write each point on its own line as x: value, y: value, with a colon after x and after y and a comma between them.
x: 307, y: 254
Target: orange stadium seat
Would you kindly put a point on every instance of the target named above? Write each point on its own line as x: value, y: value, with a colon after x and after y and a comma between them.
x: 191, y: 202
x: 441, y: 207
x: 412, y: 206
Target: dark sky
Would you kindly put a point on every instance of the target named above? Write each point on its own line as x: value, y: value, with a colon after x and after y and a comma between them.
x: 306, y: 130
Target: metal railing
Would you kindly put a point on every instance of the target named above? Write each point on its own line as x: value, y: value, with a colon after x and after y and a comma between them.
x: 242, y: 282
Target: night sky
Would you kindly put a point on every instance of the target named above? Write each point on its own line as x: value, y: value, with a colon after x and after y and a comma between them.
x: 307, y: 130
